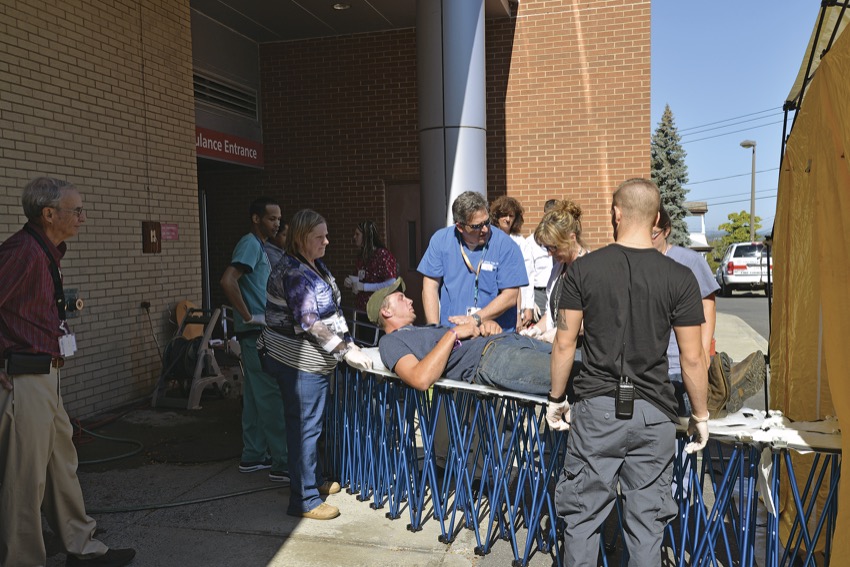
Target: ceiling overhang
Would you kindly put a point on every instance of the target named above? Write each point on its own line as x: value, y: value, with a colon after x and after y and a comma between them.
x: 267, y: 21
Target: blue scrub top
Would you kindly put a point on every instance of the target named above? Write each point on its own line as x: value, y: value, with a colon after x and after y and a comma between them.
x: 250, y: 255
x: 502, y: 267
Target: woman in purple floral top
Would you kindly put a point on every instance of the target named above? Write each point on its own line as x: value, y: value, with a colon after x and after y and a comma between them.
x: 305, y: 338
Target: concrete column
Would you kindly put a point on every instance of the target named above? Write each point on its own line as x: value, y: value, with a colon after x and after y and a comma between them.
x: 452, y: 97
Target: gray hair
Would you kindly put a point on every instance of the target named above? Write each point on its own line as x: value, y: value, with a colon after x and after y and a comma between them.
x: 466, y: 204
x: 43, y: 192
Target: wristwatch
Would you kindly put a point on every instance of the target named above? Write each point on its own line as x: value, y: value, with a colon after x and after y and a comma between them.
x: 477, y: 318
x: 560, y: 399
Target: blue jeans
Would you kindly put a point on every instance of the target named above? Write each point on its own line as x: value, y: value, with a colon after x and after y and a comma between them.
x: 304, y: 397
x: 681, y: 394
x: 519, y: 364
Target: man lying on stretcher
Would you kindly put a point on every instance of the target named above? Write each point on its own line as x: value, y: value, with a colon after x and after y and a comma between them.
x: 479, y: 354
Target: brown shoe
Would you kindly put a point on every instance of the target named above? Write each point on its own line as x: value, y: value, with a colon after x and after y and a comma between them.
x: 321, y: 512
x: 329, y: 487
x: 718, y: 384
x: 746, y: 379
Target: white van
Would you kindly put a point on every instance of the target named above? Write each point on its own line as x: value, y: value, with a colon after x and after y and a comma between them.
x: 744, y: 266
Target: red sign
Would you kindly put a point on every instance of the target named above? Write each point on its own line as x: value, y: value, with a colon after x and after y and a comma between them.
x: 169, y: 231
x: 226, y: 147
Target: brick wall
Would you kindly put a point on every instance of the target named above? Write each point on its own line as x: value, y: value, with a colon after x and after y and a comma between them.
x: 568, y: 105
x: 99, y: 92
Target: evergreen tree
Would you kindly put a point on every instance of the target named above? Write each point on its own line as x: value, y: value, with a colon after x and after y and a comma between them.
x: 670, y: 173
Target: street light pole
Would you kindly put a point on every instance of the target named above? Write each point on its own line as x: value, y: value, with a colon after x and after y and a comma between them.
x: 752, y: 144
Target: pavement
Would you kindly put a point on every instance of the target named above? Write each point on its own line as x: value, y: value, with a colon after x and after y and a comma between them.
x: 181, y: 500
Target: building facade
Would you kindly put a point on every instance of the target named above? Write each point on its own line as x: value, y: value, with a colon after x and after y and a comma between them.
x: 115, y: 95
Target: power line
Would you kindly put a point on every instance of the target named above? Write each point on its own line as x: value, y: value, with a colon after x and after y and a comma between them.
x: 729, y: 119
x: 733, y: 132
x: 730, y: 125
x: 742, y: 200
x: 729, y: 177
x: 735, y: 194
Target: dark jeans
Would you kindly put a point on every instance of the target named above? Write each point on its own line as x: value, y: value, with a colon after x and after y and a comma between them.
x: 681, y: 395
x: 304, y: 397
x: 519, y: 364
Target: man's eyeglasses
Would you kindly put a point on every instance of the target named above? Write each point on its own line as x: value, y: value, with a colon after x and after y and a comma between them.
x: 550, y: 248
x: 657, y: 233
x: 478, y: 226
x: 77, y: 211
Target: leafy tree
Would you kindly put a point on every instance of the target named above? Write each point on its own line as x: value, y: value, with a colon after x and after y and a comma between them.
x: 670, y: 173
x: 737, y: 230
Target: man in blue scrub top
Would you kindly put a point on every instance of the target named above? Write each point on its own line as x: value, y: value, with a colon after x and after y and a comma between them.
x: 244, y: 284
x: 471, y: 272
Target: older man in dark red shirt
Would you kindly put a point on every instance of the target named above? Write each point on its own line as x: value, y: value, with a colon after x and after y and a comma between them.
x: 38, y: 461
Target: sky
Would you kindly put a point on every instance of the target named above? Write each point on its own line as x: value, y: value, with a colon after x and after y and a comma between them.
x: 726, y: 68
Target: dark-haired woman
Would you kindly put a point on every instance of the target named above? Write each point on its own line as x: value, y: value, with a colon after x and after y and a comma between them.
x: 376, y: 266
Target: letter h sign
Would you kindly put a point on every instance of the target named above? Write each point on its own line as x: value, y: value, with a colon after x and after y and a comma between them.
x: 151, y: 237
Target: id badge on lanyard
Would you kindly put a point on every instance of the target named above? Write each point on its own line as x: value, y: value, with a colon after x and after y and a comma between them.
x: 477, y: 272
x: 67, y: 342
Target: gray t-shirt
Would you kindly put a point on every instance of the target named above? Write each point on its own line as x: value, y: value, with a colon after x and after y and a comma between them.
x: 707, y: 286
x: 419, y: 341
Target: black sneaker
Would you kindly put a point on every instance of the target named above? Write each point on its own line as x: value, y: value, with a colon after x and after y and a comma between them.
x: 254, y: 466
x: 112, y: 558
x: 279, y: 476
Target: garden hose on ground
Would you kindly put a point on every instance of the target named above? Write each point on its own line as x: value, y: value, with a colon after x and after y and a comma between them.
x: 178, y: 503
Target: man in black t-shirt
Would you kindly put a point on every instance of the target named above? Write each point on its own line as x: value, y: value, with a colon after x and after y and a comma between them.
x: 628, y: 296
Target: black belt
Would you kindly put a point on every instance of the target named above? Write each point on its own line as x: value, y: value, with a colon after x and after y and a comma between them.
x: 540, y: 288
x: 31, y: 363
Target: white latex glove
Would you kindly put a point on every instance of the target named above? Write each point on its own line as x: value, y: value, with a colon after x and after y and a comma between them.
x: 357, y: 286
x: 358, y: 359
x: 257, y: 320
x: 548, y: 336
x: 558, y: 415
x: 347, y: 281
x: 533, y: 332
x: 699, y: 429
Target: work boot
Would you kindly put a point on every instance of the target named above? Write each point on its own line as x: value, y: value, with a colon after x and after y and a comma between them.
x: 329, y: 487
x: 745, y: 380
x: 321, y: 512
x: 718, y: 384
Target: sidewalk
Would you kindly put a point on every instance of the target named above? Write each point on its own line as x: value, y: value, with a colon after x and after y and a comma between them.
x: 252, y: 529
x: 736, y: 338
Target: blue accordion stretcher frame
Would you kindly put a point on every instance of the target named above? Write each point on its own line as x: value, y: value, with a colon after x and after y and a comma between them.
x: 502, y: 462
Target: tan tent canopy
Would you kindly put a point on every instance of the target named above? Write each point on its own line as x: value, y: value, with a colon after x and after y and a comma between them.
x: 831, y: 23
x: 810, y: 321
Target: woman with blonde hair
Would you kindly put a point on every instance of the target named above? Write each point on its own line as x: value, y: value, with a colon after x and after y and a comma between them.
x: 560, y: 234
x: 305, y: 337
